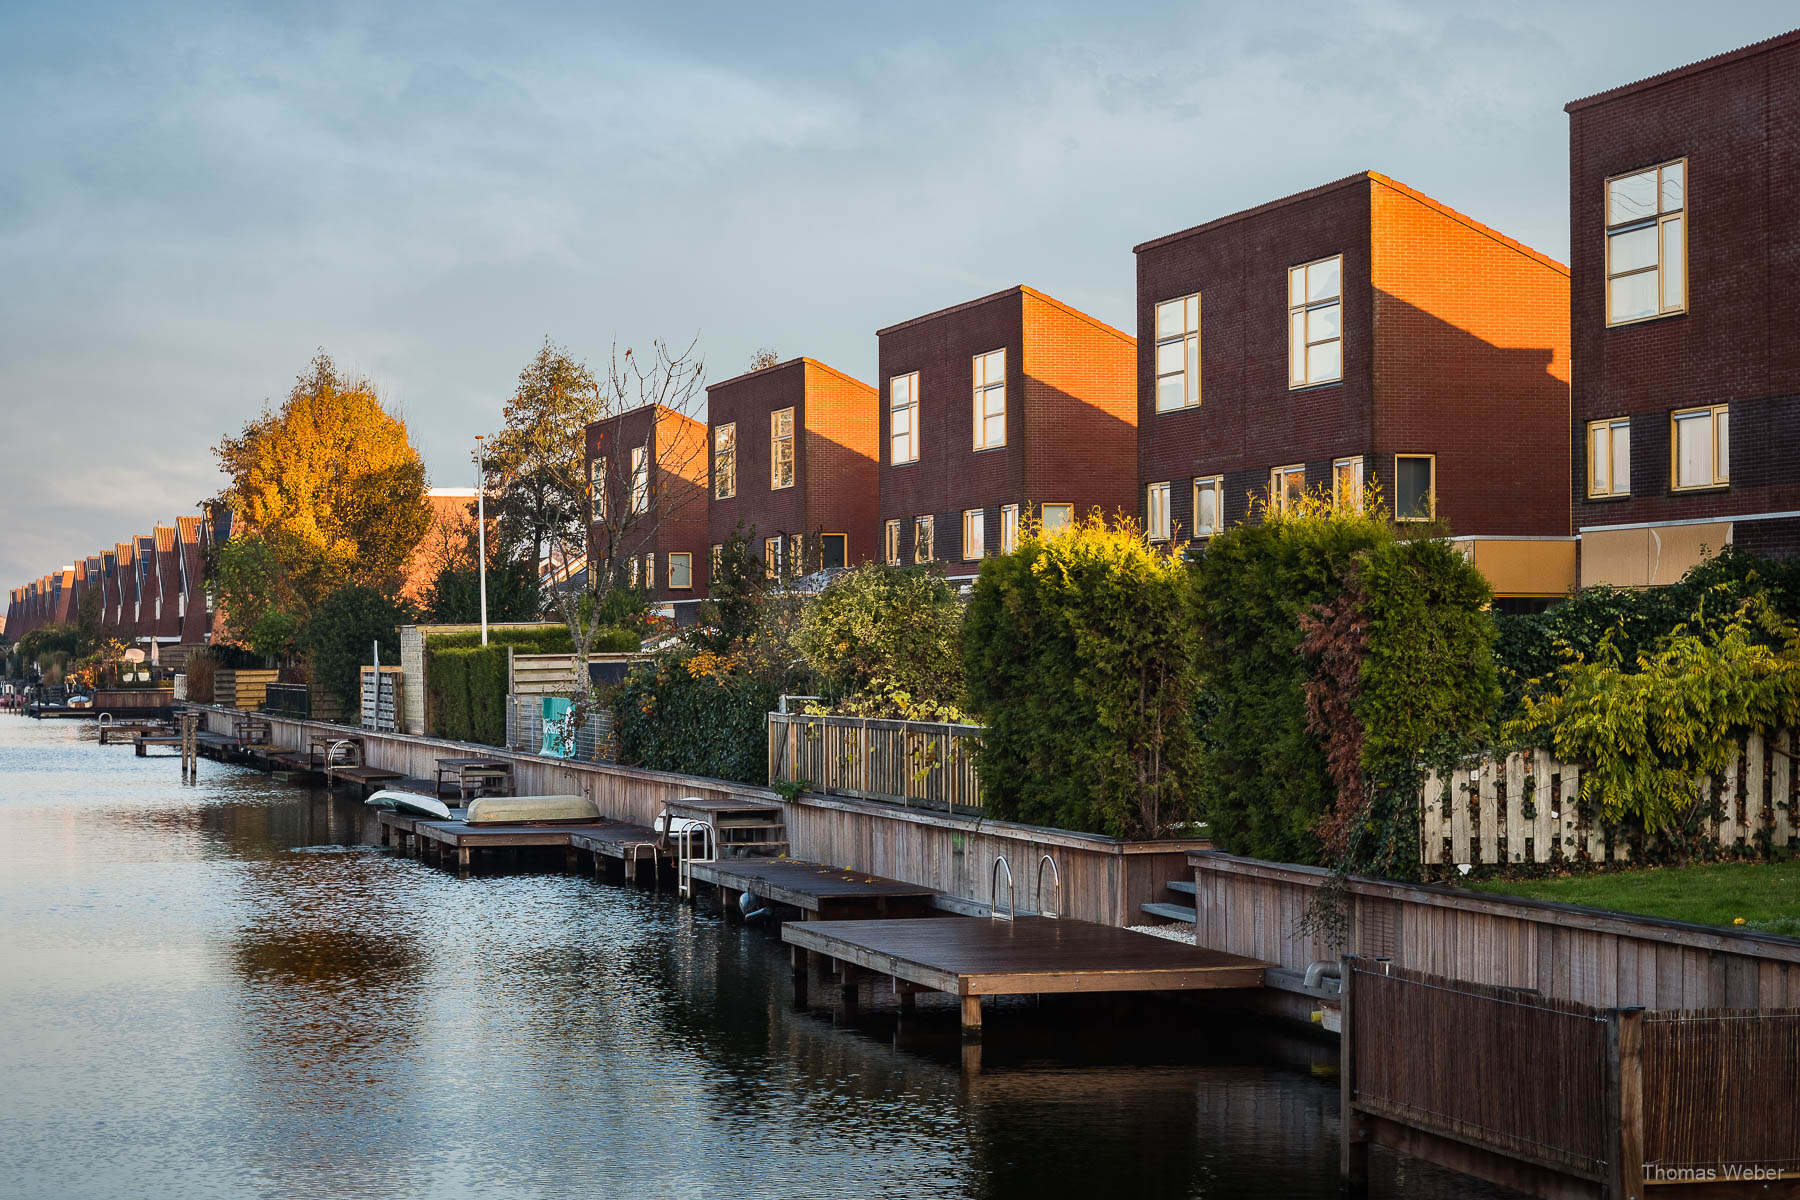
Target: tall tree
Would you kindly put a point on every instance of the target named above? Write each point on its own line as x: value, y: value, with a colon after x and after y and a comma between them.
x: 538, y: 473
x: 330, y: 489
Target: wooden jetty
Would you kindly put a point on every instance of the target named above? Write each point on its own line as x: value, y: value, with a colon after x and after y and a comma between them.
x: 823, y: 893
x: 620, y: 840
x: 972, y: 957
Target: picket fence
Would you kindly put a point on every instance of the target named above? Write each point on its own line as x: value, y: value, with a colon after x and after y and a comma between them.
x: 1526, y: 808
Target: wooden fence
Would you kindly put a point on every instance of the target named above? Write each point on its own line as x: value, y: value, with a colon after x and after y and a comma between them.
x: 243, y: 688
x: 1560, y: 1098
x: 915, y: 763
x: 1527, y: 808
x: 382, y: 702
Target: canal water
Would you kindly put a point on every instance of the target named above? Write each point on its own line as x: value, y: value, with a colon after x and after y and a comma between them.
x: 225, y: 989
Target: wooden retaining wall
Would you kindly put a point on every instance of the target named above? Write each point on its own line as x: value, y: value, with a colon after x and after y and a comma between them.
x: 1526, y: 808
x: 1104, y: 879
x: 1250, y: 907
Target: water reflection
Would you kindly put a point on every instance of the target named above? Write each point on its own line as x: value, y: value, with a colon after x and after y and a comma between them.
x: 225, y: 990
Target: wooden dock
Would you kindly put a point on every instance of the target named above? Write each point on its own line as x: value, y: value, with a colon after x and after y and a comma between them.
x: 972, y: 957
x: 823, y: 893
x: 458, y: 840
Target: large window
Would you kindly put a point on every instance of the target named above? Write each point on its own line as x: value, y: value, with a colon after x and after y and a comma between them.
x: 1316, y: 322
x: 1156, y: 512
x: 1646, y: 243
x: 1178, y: 354
x: 713, y: 558
x: 1057, y: 516
x: 1287, y: 487
x: 1700, y: 442
x: 781, y: 449
x: 833, y: 550
x: 1209, y: 495
x: 924, y: 539
x: 1347, y: 483
x: 903, y: 418
x: 649, y: 572
x: 796, y: 554
x: 1609, y: 457
x: 725, y: 461
x: 1009, y: 528
x: 640, y: 479
x: 597, y: 488
x: 1415, y: 487
x: 681, y: 569
x: 890, y: 543
x: 974, y: 534
x: 636, y: 566
x: 990, y: 400
x: 772, y: 557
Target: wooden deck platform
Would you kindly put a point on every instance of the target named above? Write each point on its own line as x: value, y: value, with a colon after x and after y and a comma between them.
x: 823, y: 893
x: 972, y: 957
x: 459, y: 840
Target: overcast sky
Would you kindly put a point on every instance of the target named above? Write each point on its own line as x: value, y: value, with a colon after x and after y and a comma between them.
x: 194, y: 197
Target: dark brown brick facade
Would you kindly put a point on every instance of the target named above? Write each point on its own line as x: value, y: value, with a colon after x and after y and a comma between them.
x: 1455, y: 344
x: 677, y: 514
x: 834, y: 489
x: 1070, y: 418
x: 1736, y: 121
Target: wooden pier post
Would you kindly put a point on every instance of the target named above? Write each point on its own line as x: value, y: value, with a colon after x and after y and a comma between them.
x: 971, y: 1018
x: 800, y: 975
x: 1353, y: 1143
x: 1625, y: 1104
x: 190, y: 746
x: 847, y: 976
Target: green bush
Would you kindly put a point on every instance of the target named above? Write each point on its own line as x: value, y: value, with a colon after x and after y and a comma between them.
x: 887, y: 642
x: 691, y: 715
x: 468, y: 693
x: 340, y: 637
x: 535, y: 639
x: 1078, y: 654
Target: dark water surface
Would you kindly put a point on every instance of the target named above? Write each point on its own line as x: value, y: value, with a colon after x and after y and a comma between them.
x: 224, y: 989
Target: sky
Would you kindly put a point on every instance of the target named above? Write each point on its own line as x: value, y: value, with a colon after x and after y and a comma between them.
x: 195, y: 198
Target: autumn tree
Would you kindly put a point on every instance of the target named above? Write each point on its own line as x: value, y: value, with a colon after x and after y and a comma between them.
x: 327, y: 490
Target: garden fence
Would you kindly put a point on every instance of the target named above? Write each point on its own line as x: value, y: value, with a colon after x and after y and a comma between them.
x: 916, y: 763
x: 1526, y: 808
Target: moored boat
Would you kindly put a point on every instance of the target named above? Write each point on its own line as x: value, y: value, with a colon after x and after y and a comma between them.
x: 532, y: 810
x: 410, y: 803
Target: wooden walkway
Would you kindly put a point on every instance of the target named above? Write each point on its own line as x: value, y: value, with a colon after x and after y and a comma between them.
x: 458, y: 839
x: 823, y: 893
x: 972, y: 957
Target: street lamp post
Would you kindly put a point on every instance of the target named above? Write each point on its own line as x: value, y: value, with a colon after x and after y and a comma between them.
x: 481, y: 527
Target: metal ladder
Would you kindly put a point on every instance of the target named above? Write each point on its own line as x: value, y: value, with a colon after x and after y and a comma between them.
x: 685, y: 857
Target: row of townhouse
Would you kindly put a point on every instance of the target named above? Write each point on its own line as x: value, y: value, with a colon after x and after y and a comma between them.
x: 1566, y: 424
x: 149, y: 590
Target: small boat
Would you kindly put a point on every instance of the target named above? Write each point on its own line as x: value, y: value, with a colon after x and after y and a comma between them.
x: 410, y: 803
x: 532, y: 810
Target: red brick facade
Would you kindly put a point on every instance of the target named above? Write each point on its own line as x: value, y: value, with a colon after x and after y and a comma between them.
x: 831, y: 504
x: 1735, y: 120
x: 1070, y: 419
x: 674, y: 522
x: 1454, y: 344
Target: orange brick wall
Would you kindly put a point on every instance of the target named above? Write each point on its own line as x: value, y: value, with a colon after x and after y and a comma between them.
x: 1080, y: 410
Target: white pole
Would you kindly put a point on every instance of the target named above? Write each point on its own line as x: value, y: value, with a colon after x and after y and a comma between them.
x: 481, y: 528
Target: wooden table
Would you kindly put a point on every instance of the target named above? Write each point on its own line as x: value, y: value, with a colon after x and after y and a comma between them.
x: 474, y: 775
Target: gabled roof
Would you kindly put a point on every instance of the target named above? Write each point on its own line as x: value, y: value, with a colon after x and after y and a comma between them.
x: 1767, y: 45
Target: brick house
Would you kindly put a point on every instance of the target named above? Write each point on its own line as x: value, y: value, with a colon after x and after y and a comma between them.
x: 1360, y: 333
x: 793, y: 463
x: 1686, y: 393
x: 647, y: 476
x: 1009, y: 409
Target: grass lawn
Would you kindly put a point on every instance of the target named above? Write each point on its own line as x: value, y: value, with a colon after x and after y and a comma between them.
x: 1765, y: 895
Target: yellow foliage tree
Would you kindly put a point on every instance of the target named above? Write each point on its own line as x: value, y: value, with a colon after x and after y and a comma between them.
x: 331, y: 484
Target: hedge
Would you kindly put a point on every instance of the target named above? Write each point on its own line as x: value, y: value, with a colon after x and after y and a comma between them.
x: 679, y: 717
x: 467, y: 681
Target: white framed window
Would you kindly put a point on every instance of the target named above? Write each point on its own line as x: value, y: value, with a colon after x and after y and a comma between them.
x: 640, y: 479
x: 1316, y: 322
x: 1178, y: 354
x: 1056, y: 516
x: 649, y: 571
x: 1609, y: 457
x: 974, y: 534
x: 725, y: 461
x: 1009, y: 528
x: 890, y: 543
x: 635, y: 568
x: 714, y: 557
x: 1700, y: 447
x: 903, y: 418
x: 1646, y: 243
x: 681, y: 570
x: 597, y: 488
x: 990, y: 400
x: 1156, y: 512
x: 924, y: 539
x: 1415, y: 487
x: 772, y: 557
x: 781, y: 449
x: 1287, y: 487
x: 1347, y: 483
x: 1209, y: 496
